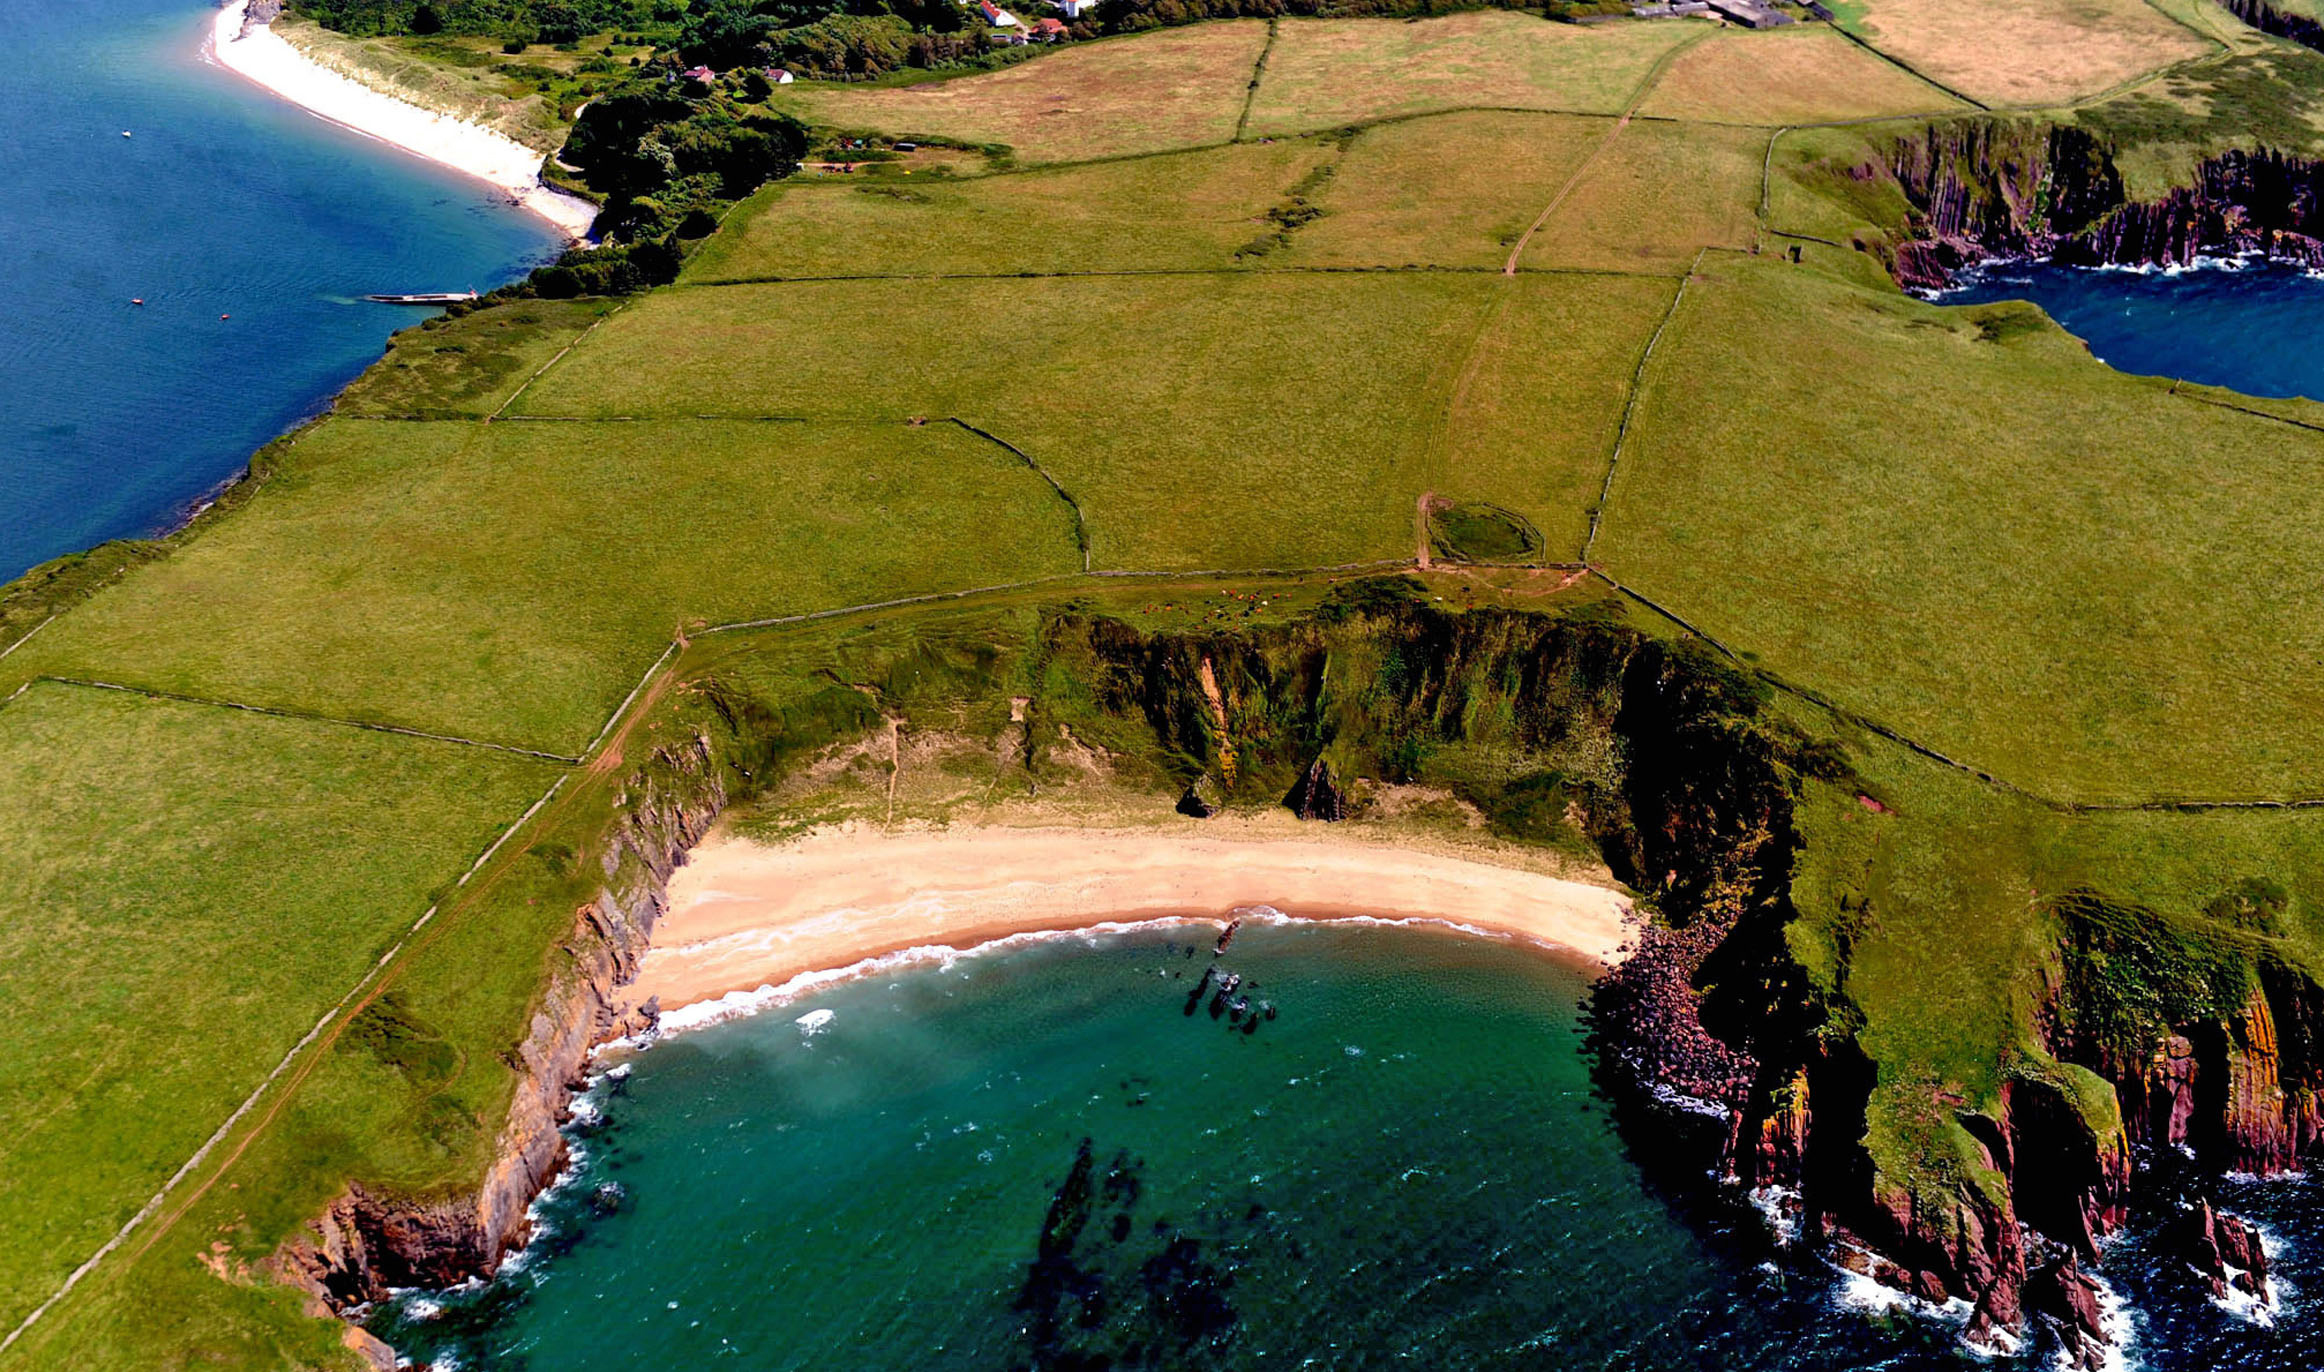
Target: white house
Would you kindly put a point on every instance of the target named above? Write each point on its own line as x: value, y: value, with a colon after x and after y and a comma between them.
x: 1074, y: 9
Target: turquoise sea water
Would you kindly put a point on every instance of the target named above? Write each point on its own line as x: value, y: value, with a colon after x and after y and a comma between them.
x: 2253, y: 328
x: 114, y: 419
x: 1038, y: 1159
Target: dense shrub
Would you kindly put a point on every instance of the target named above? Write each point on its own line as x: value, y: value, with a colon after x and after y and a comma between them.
x: 543, y: 21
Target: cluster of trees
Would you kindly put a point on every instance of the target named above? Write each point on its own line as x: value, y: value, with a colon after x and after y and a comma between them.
x: 661, y: 156
x: 744, y: 33
x: 537, y: 21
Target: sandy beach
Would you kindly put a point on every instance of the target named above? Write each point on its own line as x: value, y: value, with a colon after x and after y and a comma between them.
x: 745, y: 917
x: 257, y: 53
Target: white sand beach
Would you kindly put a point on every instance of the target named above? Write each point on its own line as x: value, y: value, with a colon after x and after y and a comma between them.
x: 746, y: 915
x: 257, y: 53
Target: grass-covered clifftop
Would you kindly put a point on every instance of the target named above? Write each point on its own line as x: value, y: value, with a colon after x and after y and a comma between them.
x: 2010, y: 652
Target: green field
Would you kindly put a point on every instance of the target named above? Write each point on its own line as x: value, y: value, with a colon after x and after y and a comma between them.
x: 1653, y: 197
x: 1324, y: 73
x: 1232, y: 420
x: 1180, y: 89
x: 1800, y: 75
x: 190, y: 887
x: 509, y: 582
x: 1455, y: 190
x: 1383, y: 297
x: 2083, y: 583
x: 1184, y: 210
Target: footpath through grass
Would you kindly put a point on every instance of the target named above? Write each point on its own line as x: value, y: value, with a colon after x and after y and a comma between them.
x: 189, y: 888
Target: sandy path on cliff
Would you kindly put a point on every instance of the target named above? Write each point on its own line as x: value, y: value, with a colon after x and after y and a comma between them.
x: 745, y: 914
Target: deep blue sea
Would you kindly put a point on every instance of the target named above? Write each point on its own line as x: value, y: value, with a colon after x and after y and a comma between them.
x: 2253, y: 328
x: 115, y: 418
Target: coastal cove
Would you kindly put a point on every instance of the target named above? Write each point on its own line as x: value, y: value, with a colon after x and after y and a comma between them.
x: 1047, y: 1149
x: 115, y: 418
x: 1231, y: 691
x: 2248, y: 326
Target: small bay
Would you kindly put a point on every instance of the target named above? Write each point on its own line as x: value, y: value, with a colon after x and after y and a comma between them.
x: 1037, y: 1158
x: 2251, y: 327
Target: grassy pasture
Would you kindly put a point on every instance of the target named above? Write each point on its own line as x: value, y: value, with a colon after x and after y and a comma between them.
x: 1810, y: 190
x: 2078, y: 581
x: 1327, y: 72
x: 2028, y: 52
x: 467, y: 367
x: 1804, y: 74
x: 191, y: 887
x: 1182, y: 88
x: 509, y: 582
x: 1534, y: 411
x: 2166, y: 126
x: 1231, y: 420
x: 1452, y: 190
x: 1192, y: 209
x: 1657, y: 193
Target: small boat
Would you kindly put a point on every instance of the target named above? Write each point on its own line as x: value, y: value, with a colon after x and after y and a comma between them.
x: 125, y: 133
x: 137, y: 300
x: 424, y: 298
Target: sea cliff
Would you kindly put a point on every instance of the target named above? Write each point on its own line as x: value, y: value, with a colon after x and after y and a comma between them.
x: 1989, y: 189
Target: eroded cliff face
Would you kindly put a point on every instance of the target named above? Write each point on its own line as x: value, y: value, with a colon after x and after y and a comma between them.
x: 1990, y: 188
x: 368, y: 1242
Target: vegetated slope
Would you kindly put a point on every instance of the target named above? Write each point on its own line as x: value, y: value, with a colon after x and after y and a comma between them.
x: 1839, y: 483
x: 188, y: 889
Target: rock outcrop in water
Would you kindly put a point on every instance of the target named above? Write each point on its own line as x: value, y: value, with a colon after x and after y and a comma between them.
x: 2225, y: 1251
x: 1984, y: 189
